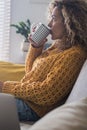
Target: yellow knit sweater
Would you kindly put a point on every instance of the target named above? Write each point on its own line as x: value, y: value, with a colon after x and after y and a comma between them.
x: 49, y: 77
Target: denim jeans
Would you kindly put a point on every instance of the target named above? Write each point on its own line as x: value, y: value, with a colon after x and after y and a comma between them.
x: 25, y: 113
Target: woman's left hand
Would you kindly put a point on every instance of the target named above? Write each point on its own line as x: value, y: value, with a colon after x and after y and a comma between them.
x: 1, y: 85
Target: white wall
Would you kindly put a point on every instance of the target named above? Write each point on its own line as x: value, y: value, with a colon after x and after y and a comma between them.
x: 21, y: 10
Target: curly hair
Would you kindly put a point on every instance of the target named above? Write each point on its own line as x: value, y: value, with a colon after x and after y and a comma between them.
x: 74, y: 13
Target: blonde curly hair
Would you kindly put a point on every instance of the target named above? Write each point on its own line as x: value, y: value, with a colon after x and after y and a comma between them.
x: 74, y: 13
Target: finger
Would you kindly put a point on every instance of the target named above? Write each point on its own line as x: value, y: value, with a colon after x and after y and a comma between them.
x: 46, y: 40
x: 30, y: 39
x: 33, y: 27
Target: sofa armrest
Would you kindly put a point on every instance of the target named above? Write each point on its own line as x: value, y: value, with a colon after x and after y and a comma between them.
x: 8, y: 113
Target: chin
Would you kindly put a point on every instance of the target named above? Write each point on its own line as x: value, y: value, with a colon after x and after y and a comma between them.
x: 54, y: 38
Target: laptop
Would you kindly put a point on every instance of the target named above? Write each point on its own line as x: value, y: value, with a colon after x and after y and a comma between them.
x: 8, y: 113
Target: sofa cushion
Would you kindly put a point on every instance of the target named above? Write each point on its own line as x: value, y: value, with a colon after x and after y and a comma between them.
x: 10, y: 71
x: 25, y: 125
x: 80, y: 88
x: 72, y: 116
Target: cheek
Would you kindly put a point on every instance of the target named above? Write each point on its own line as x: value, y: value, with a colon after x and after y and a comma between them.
x: 58, y: 30
x: 58, y: 27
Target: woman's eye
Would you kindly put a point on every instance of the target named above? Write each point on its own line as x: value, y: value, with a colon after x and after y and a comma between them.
x: 54, y: 18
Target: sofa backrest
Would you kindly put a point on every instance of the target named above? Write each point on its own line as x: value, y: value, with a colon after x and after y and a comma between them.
x: 79, y: 90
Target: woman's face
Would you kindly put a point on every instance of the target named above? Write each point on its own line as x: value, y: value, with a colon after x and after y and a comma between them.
x: 56, y: 24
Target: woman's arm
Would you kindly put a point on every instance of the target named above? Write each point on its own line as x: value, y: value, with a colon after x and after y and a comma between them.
x: 57, y: 84
x: 33, y: 53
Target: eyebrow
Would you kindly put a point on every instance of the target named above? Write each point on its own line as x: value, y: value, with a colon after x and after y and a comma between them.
x: 55, y: 16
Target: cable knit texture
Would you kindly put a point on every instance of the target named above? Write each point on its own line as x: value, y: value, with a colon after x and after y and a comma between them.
x: 50, y: 76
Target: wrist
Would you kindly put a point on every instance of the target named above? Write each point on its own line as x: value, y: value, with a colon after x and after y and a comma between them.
x: 34, y: 46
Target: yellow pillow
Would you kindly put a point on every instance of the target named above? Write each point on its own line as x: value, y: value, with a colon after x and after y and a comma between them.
x: 10, y: 71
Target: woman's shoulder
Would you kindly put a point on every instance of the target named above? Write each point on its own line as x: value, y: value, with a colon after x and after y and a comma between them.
x: 76, y: 50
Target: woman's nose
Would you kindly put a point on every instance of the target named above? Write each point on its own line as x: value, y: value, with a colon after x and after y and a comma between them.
x: 50, y: 24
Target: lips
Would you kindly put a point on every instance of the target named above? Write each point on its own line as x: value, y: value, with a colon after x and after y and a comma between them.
x: 50, y: 31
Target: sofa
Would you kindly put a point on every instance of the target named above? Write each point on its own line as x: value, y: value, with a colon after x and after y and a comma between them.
x: 11, y: 71
x: 70, y: 116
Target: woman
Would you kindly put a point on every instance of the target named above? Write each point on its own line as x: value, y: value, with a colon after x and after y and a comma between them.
x: 50, y: 75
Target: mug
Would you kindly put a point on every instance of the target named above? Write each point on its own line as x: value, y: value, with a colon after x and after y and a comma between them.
x: 41, y: 32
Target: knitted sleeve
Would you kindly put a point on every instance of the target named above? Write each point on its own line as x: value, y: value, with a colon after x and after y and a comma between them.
x: 31, y: 56
x: 56, y: 85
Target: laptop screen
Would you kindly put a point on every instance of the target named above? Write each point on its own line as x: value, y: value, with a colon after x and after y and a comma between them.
x: 8, y: 113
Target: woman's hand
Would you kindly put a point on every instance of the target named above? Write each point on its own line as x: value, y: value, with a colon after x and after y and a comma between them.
x: 1, y: 85
x: 33, y: 29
